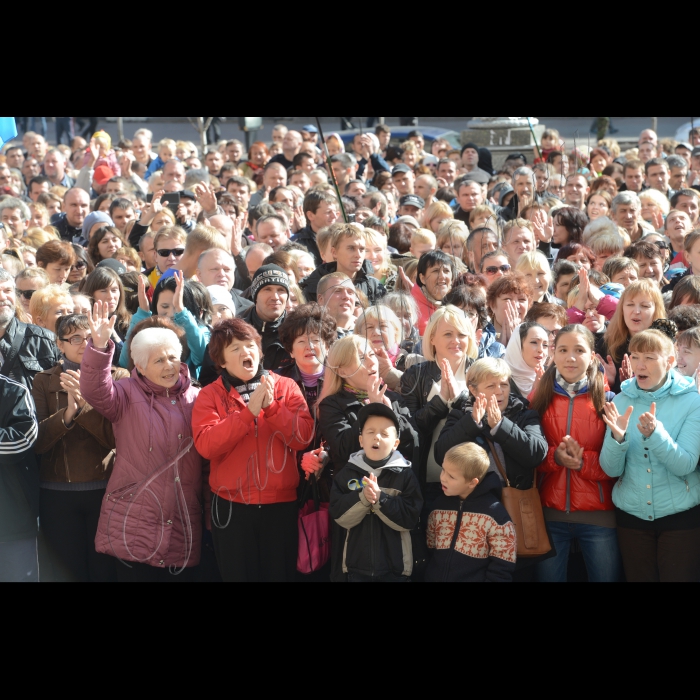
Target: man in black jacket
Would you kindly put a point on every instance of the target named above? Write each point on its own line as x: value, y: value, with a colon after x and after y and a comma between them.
x: 19, y: 485
x: 76, y: 206
x: 321, y: 210
x: 25, y: 350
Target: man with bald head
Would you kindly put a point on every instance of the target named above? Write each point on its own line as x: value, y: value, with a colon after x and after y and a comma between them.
x: 216, y: 268
x: 291, y: 146
x: 426, y: 187
x: 649, y: 135
x: 69, y: 223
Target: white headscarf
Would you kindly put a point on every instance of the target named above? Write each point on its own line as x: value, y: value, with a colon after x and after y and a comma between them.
x: 523, y: 375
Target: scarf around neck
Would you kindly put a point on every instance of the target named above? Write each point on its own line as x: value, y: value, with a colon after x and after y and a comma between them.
x: 245, y: 389
x: 572, y: 390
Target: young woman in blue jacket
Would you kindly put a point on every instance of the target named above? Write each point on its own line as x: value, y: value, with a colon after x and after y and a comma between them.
x: 653, y: 446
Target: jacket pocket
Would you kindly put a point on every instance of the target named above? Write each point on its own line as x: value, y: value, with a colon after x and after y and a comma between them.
x: 31, y: 364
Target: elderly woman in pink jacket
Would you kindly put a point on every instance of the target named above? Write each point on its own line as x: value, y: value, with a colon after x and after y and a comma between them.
x: 151, y: 518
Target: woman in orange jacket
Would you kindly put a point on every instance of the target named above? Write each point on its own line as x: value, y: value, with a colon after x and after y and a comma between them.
x: 250, y: 425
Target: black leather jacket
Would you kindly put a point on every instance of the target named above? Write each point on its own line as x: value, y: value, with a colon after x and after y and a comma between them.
x: 37, y: 352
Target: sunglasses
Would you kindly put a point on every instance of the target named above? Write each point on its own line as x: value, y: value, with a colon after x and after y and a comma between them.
x: 27, y: 295
x: 495, y: 270
x: 75, y: 340
x: 165, y: 253
x: 80, y: 265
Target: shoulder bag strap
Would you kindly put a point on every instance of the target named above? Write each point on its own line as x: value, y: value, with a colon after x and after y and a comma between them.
x: 9, y: 363
x: 498, y: 462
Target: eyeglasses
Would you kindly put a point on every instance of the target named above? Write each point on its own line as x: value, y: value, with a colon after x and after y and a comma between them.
x: 75, y: 340
x: 495, y: 270
x: 27, y: 295
x: 165, y: 253
x: 80, y: 265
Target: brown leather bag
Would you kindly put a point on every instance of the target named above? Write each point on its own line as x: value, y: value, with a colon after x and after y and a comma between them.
x: 525, y: 510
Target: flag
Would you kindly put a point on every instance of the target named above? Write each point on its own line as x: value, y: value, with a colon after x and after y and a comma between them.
x: 8, y: 129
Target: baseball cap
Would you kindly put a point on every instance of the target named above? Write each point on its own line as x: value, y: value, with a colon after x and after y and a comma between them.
x: 103, y: 174
x: 310, y: 129
x: 377, y: 409
x: 188, y: 194
x: 412, y: 200
x: 401, y: 168
x: 114, y: 265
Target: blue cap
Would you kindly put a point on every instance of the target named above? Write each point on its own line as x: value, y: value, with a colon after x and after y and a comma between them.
x: 310, y: 129
x: 168, y: 273
x: 612, y: 290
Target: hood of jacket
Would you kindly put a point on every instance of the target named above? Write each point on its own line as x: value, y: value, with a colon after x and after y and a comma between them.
x: 675, y: 385
x: 397, y: 463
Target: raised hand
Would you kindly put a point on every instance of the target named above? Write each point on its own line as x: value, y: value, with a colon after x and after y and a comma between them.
x: 257, y: 399
x: 144, y: 304
x: 479, y: 409
x: 269, y: 385
x: 70, y: 383
x: 647, y: 422
x: 101, y: 325
x: 610, y: 369
x: 385, y: 365
x: 448, y: 385
x: 179, y: 297
x: 207, y: 198
x: 539, y: 374
x: 512, y: 321
x: 494, y: 412
x: 376, y: 392
x: 618, y: 424
x: 405, y: 283
x: 150, y: 211
x: 626, y: 371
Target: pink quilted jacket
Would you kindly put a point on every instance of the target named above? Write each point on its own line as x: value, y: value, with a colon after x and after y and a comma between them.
x: 152, y: 513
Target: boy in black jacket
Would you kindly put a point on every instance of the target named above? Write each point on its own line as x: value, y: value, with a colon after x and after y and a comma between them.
x: 470, y: 534
x: 377, y: 499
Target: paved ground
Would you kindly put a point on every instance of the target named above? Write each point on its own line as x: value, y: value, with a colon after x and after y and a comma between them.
x: 629, y: 127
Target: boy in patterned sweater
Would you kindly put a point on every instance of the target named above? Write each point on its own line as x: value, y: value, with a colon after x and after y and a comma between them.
x: 470, y: 534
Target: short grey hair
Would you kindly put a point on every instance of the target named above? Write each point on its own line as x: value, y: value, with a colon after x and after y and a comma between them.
x: 5, y: 276
x: 626, y: 198
x: 677, y: 162
x: 209, y: 252
x: 152, y: 339
x: 197, y: 176
x: 14, y: 203
x: 402, y: 304
x: 58, y: 153
x: 347, y: 160
x: 523, y: 172
x: 259, y: 246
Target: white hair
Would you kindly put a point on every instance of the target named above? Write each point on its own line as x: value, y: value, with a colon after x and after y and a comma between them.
x: 596, y: 228
x: 153, y: 339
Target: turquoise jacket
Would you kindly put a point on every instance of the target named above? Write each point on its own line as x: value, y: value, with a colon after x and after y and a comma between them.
x: 198, y: 338
x: 659, y: 476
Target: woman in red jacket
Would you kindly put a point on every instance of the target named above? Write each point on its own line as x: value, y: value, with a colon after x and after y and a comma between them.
x: 250, y: 424
x: 576, y: 492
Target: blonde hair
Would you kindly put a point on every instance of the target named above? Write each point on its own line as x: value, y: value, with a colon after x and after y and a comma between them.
x: 167, y: 214
x: 449, y: 233
x: 652, y: 341
x: 378, y: 314
x: 424, y: 237
x: 607, y: 243
x: 203, y: 238
x: 103, y: 139
x: 471, y: 460
x: 174, y: 232
x: 614, y: 266
x: 655, y: 197
x: 37, y: 237
x: 168, y: 143
x: 33, y: 273
x: 489, y: 367
x: 517, y: 223
x: 12, y: 264
x: 481, y: 210
x: 455, y: 317
x: 534, y: 260
x: 342, y: 231
x: 129, y: 254
x: 344, y: 353
x: 43, y: 299
x: 184, y: 146
x: 296, y: 291
x: 437, y: 209
x: 618, y: 334
x: 379, y: 239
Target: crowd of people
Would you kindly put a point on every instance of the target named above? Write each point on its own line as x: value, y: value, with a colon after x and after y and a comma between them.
x: 198, y: 349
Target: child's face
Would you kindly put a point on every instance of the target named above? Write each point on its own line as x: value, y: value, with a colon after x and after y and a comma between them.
x: 688, y: 359
x: 379, y: 439
x: 454, y: 483
x: 548, y: 143
x: 165, y: 154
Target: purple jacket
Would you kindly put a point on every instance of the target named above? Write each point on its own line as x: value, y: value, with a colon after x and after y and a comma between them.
x: 152, y: 513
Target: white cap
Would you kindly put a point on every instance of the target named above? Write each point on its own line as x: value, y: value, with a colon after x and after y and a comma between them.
x: 220, y: 296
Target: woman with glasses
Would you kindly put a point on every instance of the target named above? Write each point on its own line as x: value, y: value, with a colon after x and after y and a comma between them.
x: 169, y: 244
x: 27, y: 282
x: 495, y: 265
x: 76, y: 445
x: 106, y: 286
x: 82, y: 266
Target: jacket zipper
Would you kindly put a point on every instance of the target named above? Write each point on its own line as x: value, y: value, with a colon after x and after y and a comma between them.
x: 371, y: 539
x: 454, y: 541
x: 569, y: 422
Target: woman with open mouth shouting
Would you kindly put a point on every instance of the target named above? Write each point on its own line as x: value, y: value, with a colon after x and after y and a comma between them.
x: 653, y: 446
x: 250, y: 425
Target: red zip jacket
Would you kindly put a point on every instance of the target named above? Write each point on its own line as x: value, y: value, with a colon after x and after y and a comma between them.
x: 563, y: 489
x: 253, y: 460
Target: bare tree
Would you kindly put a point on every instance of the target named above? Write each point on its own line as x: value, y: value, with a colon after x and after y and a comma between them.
x: 202, y: 124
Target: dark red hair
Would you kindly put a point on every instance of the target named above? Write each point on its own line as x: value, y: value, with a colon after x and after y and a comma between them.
x: 226, y: 333
x: 574, y: 249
